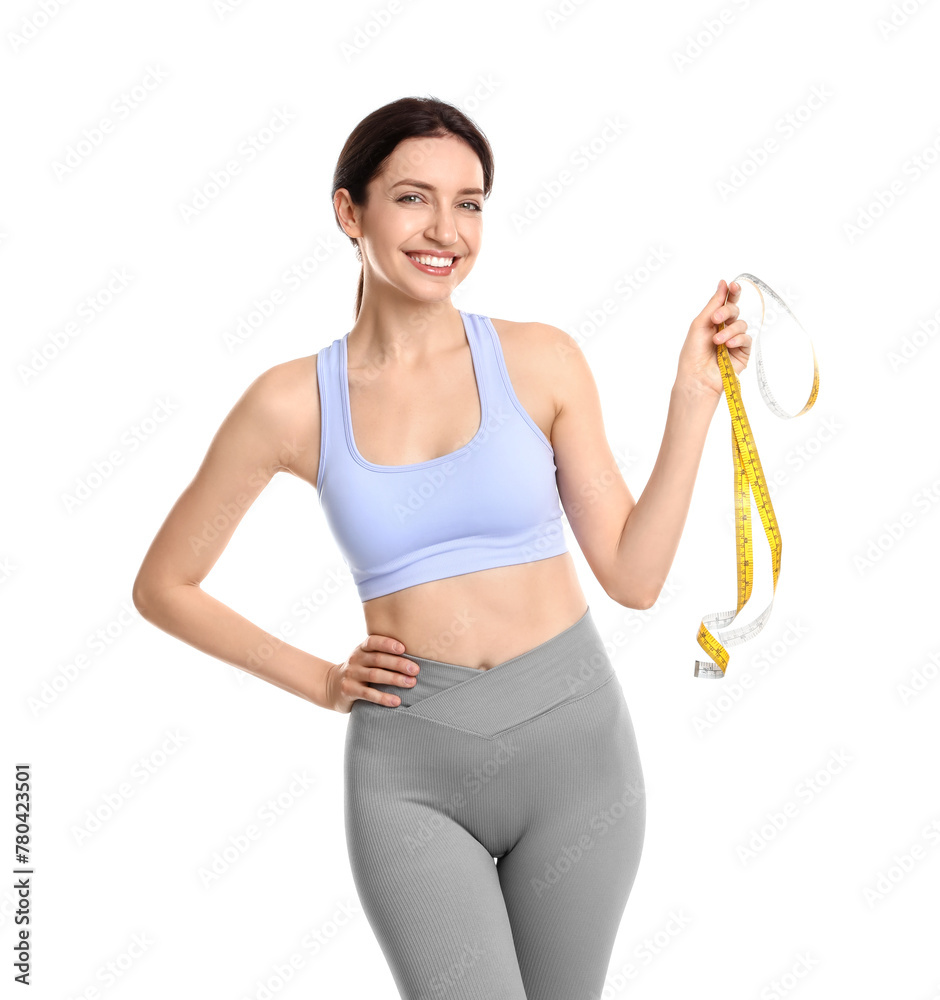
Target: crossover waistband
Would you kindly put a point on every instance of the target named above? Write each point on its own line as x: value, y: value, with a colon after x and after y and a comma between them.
x: 568, y: 666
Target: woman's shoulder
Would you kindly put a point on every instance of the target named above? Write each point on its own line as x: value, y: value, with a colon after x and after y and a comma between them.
x: 535, y: 355
x: 534, y: 344
x: 544, y: 361
x: 288, y: 396
x: 289, y: 383
x: 530, y: 333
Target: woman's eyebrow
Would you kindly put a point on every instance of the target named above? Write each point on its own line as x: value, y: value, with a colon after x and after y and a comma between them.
x: 431, y: 187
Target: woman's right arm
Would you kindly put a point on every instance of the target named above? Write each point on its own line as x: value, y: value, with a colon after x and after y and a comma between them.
x: 259, y: 437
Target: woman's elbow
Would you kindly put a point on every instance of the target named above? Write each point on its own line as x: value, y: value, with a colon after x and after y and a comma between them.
x: 635, y: 601
x: 141, y: 597
x: 145, y: 595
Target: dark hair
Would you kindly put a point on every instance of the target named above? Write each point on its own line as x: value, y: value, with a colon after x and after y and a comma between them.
x: 374, y: 139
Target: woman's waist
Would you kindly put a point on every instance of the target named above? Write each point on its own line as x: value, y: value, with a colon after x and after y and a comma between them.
x: 483, y: 618
x: 565, y: 668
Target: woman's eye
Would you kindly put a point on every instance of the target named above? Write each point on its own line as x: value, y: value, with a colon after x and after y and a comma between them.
x: 475, y: 206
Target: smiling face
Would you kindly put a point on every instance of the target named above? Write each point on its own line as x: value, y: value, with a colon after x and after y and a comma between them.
x: 427, y: 200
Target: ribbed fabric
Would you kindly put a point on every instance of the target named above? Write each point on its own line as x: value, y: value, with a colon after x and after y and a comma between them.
x: 533, y: 763
x: 493, y: 502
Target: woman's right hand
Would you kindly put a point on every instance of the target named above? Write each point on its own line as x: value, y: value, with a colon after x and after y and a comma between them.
x: 374, y: 660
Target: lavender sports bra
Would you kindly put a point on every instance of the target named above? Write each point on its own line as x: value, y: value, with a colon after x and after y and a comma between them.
x: 493, y: 502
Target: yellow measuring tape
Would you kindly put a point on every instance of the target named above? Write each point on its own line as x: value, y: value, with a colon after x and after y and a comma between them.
x: 748, y: 476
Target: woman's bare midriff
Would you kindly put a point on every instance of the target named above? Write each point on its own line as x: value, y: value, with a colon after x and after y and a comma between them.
x: 484, y: 618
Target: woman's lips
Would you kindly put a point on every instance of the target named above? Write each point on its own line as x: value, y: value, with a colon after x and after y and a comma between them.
x: 428, y: 269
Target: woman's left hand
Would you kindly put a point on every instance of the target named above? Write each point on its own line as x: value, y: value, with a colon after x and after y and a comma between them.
x: 698, y: 359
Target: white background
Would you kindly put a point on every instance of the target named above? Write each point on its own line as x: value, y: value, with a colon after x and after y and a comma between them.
x: 826, y: 720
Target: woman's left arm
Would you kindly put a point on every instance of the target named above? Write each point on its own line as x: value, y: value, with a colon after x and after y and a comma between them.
x: 631, y: 546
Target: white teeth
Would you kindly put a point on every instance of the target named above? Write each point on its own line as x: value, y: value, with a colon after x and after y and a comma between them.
x: 432, y: 261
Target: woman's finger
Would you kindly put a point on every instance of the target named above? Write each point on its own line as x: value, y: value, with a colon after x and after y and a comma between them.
x: 731, y: 330
x: 387, y: 661
x: 726, y: 313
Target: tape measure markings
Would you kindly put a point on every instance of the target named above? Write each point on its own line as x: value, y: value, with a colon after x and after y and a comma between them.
x: 748, y: 478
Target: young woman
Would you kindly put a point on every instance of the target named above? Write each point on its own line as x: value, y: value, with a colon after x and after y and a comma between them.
x: 495, y: 808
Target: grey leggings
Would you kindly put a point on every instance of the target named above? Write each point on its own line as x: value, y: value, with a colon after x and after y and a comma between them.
x: 533, y: 763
